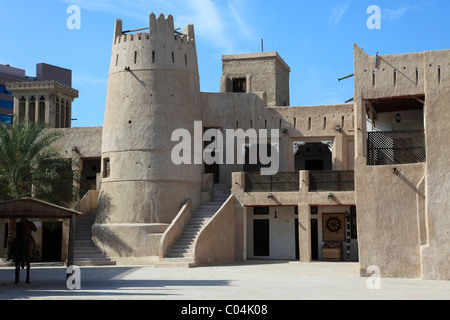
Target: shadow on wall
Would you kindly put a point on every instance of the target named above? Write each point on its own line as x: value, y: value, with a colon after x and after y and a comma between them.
x: 103, y: 236
x: 409, y: 184
x: 103, y: 206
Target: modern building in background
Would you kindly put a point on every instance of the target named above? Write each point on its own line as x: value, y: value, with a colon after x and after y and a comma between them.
x: 8, y: 74
x: 47, y: 97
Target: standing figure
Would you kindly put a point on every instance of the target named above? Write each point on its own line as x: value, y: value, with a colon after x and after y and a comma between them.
x: 22, y: 246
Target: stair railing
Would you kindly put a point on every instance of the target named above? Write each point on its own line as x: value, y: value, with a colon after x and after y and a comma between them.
x: 175, y: 229
x: 216, y: 241
x: 88, y: 202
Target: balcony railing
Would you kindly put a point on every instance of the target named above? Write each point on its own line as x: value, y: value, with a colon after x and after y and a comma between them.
x: 331, y: 181
x: 395, y: 147
x: 280, y: 182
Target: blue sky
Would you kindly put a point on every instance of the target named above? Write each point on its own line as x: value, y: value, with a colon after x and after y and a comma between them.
x: 315, y: 38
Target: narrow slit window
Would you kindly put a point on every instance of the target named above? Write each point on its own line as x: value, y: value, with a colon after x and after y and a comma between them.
x: 135, y: 57
x: 185, y: 59
x: 373, y: 79
x: 439, y: 74
x: 173, y: 57
x: 117, y: 60
x: 324, y: 123
x: 417, y: 76
x: 395, y: 78
x: 153, y: 56
x: 309, y: 124
x: 106, y: 168
x: 342, y: 124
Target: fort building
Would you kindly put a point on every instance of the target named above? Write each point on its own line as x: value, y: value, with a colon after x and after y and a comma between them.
x: 363, y: 181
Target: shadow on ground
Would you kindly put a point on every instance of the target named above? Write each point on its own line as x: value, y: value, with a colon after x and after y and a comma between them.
x: 95, y: 281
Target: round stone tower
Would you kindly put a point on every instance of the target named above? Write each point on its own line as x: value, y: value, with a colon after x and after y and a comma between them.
x: 153, y: 89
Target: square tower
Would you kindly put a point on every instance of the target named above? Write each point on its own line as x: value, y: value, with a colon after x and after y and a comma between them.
x: 257, y: 72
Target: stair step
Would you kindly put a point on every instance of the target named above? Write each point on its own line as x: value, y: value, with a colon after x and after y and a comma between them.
x: 88, y: 258
x: 182, y: 252
x: 204, y: 213
x: 82, y: 238
x: 185, y: 242
x: 190, y: 231
x: 89, y: 248
x: 82, y: 233
x: 182, y: 246
x: 83, y: 242
x: 94, y: 263
x: 199, y: 221
x: 85, y: 251
x: 206, y: 216
x: 180, y: 255
x: 175, y: 263
x: 93, y: 256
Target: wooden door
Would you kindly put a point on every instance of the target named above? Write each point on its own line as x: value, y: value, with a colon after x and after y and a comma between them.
x: 261, y: 238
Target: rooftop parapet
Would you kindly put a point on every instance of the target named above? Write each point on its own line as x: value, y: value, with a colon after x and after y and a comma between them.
x: 158, y: 46
x: 159, y: 28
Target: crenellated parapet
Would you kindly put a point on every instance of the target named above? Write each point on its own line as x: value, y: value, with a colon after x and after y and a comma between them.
x: 162, y: 47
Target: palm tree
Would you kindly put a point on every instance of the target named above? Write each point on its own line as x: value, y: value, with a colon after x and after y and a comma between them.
x: 30, y: 167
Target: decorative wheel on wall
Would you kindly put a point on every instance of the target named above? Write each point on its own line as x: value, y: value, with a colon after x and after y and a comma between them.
x: 334, y: 224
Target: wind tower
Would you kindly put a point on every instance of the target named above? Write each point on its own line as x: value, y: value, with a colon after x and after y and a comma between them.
x: 153, y: 89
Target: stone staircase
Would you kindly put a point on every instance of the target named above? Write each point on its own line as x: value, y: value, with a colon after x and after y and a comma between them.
x: 85, y: 252
x: 182, y: 252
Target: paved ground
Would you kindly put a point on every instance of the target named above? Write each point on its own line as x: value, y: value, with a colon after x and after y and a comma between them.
x: 248, y: 281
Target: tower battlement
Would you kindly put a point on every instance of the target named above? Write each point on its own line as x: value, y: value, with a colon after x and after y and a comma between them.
x: 161, y: 47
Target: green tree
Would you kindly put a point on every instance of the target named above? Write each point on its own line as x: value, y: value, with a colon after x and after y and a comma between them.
x: 30, y: 167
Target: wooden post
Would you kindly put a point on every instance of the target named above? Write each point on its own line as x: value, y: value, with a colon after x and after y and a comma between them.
x: 71, y: 241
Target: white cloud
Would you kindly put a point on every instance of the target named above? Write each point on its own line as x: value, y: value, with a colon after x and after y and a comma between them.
x: 211, y: 18
x: 338, y: 12
x: 319, y: 87
x: 97, y: 5
x: 244, y: 27
x: 87, y: 80
x: 208, y: 21
x: 395, y: 14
